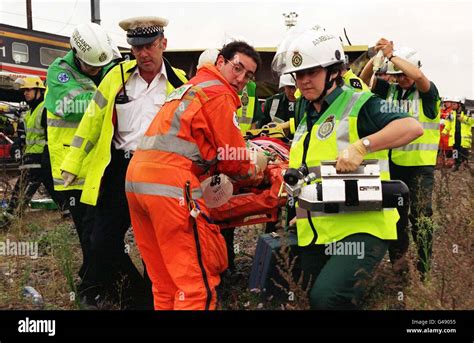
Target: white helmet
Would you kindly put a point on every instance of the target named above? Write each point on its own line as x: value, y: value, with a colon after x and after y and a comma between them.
x: 459, y: 99
x: 208, y: 56
x: 408, y: 54
x: 287, y: 80
x: 312, y: 48
x: 92, y: 45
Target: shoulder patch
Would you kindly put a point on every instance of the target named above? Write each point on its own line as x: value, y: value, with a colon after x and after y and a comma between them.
x: 244, y: 99
x: 178, y: 93
x: 355, y: 83
x: 236, y: 122
x: 63, y: 77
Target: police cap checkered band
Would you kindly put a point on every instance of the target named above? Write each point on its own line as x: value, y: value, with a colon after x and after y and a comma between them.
x: 150, y: 31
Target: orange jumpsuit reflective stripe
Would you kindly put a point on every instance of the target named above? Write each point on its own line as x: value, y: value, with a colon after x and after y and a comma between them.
x: 186, y: 138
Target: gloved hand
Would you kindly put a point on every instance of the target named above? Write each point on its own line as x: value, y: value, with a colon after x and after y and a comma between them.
x: 68, y: 178
x: 385, y: 46
x: 351, y: 157
x: 261, y: 161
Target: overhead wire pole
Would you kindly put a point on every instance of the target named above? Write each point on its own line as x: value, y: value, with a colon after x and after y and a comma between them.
x: 29, y: 16
x: 95, y: 11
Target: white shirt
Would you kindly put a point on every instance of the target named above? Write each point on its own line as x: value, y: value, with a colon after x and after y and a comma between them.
x: 134, y: 117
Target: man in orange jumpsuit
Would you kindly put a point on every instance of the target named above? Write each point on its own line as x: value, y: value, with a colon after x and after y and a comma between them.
x: 195, y: 132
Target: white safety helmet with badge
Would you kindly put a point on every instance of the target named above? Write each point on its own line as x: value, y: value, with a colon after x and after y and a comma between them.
x: 408, y: 54
x: 312, y: 48
x: 92, y: 45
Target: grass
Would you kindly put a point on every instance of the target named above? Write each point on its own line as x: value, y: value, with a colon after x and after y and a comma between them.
x: 448, y: 285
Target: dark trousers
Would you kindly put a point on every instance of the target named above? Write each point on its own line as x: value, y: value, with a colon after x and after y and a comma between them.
x: 338, y: 277
x: 57, y: 197
x: 25, y: 187
x: 420, y: 182
x: 83, y: 218
x: 461, y: 155
x: 30, y: 180
x: 112, y: 271
x: 229, y: 242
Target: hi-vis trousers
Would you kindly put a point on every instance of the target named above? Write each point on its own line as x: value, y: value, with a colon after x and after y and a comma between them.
x: 183, y: 256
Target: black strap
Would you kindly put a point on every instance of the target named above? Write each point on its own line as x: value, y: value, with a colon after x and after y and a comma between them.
x: 309, y: 125
x: 172, y: 77
x: 189, y: 200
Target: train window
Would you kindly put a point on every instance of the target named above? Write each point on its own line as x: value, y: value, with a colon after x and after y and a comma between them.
x: 20, y: 52
x: 48, y: 55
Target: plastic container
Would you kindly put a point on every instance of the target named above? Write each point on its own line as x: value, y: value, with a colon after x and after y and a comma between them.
x: 34, y: 295
x: 45, y: 204
x: 379, y: 60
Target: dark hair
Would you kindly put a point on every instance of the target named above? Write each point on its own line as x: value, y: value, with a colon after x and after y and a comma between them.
x: 228, y: 51
x: 339, y: 67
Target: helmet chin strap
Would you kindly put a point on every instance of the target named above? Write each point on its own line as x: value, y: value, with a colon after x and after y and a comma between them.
x: 327, y: 85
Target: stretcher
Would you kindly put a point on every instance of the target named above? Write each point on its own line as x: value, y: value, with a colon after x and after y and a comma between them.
x: 257, y: 203
x: 253, y: 205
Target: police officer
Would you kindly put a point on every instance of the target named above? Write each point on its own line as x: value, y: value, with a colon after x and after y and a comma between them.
x: 124, y: 104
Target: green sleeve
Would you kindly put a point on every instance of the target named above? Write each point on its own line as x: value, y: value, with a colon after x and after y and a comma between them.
x: 430, y: 101
x: 375, y: 115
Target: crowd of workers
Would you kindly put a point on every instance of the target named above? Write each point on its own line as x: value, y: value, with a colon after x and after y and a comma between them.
x: 127, y: 142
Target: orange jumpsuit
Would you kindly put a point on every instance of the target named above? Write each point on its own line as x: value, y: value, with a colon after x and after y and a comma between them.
x: 187, y: 138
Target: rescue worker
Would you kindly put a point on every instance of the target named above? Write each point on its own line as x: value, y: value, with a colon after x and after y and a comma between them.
x: 183, y: 251
x: 458, y: 126
x: 281, y: 106
x: 413, y: 163
x: 72, y: 81
x: 247, y: 116
x: 123, y: 107
x: 348, y: 126
x: 33, y: 171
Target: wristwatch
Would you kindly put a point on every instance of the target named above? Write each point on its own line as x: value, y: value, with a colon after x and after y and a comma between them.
x: 390, y: 58
x: 366, y: 144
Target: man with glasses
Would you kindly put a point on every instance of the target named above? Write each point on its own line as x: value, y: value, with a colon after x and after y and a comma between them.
x: 413, y: 163
x: 124, y: 105
x: 195, y: 134
x: 71, y: 84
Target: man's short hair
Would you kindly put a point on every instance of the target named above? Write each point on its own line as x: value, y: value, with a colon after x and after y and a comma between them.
x: 228, y: 51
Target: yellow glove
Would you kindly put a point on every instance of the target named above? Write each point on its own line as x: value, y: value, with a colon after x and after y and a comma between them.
x: 283, y: 126
x: 68, y: 178
x: 351, y: 157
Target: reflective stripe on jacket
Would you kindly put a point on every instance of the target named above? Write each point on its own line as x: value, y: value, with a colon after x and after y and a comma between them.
x: 90, y: 152
x: 334, y: 130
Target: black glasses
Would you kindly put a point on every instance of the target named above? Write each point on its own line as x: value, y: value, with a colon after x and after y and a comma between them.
x: 238, y: 70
